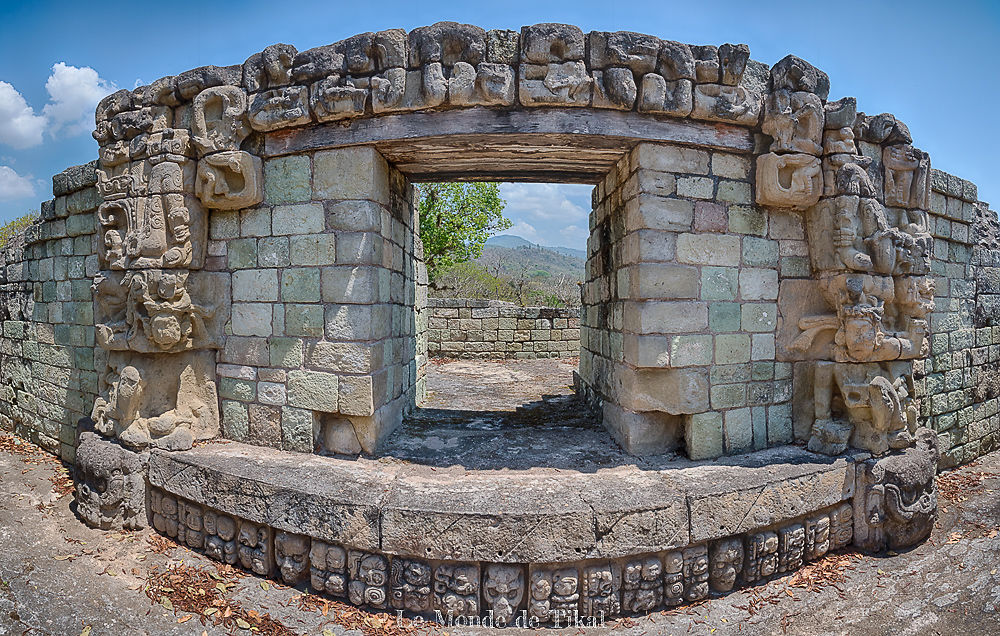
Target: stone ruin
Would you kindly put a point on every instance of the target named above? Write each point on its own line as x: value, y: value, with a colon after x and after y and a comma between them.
x: 785, y: 306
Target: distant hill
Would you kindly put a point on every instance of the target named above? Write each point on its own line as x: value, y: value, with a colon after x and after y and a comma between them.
x: 513, y: 255
x: 509, y: 240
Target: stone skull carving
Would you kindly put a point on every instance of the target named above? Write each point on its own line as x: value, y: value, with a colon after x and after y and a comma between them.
x: 110, y: 485
x: 503, y: 590
x: 291, y: 555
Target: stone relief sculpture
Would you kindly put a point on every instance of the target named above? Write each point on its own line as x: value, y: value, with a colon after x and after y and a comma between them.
x: 552, y: 69
x: 601, y: 590
x: 456, y: 589
x: 695, y: 573
x: 291, y: 556
x: 899, y: 496
x: 726, y: 557
x: 369, y: 579
x: 110, y: 485
x: 642, y: 585
x: 410, y: 585
x: 256, y: 548
x: 328, y: 568
x: 554, y: 593
x: 503, y: 591
x: 220, y: 537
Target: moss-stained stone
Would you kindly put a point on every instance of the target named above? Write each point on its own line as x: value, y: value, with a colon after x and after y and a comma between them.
x: 287, y: 179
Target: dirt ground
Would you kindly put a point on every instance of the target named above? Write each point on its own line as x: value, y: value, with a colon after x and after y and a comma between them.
x: 59, y: 577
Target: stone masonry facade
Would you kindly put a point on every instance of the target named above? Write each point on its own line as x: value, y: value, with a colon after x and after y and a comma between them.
x: 472, y: 328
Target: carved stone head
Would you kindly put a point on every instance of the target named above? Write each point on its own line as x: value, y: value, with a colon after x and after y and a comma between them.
x: 291, y: 555
x: 503, y: 590
x: 110, y: 488
x: 726, y: 558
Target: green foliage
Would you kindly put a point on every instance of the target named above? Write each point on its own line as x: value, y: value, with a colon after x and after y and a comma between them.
x: 12, y: 228
x: 455, y: 221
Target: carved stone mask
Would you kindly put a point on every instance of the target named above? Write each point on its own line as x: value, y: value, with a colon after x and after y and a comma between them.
x: 503, y: 589
x: 291, y: 553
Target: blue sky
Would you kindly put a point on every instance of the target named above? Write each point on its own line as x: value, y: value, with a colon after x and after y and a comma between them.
x: 931, y: 64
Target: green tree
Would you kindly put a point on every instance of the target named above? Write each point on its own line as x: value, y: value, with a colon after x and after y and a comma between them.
x: 455, y: 221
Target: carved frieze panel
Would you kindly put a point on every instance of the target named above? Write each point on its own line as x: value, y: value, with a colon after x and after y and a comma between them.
x: 817, y: 535
x: 291, y: 556
x: 410, y: 585
x: 230, y: 180
x: 726, y: 562
x: 456, y: 589
x: 907, y: 177
x: 761, y: 556
x: 601, y: 590
x: 673, y: 578
x: 794, y: 120
x: 190, y: 527
x: 256, y: 548
x: 164, y: 509
x: 328, y: 568
x: 695, y: 572
x: 486, y: 84
x: 279, y: 108
x: 369, y: 579
x: 332, y: 99
x: 503, y: 591
x: 552, y: 69
x: 220, y: 537
x: 554, y: 593
x: 791, y: 547
x: 219, y: 119
x: 789, y: 181
x: 642, y: 584
x: 156, y: 231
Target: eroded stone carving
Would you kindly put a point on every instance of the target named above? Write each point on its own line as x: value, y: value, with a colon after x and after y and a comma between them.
x: 601, y: 590
x: 136, y: 415
x: 841, y: 526
x: 410, y: 585
x: 456, y: 589
x: 190, y: 529
x: 230, y: 180
x: 907, y: 176
x: 554, y: 593
x: 280, y: 108
x: 369, y: 579
x: 332, y: 100
x: 789, y: 181
x: 157, y: 231
x: 695, y: 572
x: 552, y: 69
x: 642, y: 585
x: 794, y: 120
x: 899, y: 496
x: 164, y: 507
x: 219, y: 119
x: 220, y: 537
x: 721, y: 94
x: 503, y: 590
x: 673, y: 579
x: 328, y: 568
x: 761, y: 556
x: 817, y: 536
x: 791, y: 547
x: 291, y: 555
x: 110, y: 485
x: 726, y: 558
x: 256, y: 548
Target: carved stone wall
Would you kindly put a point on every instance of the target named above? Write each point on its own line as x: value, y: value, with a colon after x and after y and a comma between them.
x: 242, y: 254
x: 471, y: 328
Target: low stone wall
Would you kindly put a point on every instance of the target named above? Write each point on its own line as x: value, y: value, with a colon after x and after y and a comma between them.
x: 469, y: 328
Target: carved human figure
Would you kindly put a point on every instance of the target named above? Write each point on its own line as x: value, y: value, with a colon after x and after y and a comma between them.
x: 907, y: 172
x: 726, y: 558
x: 369, y: 579
x: 794, y: 119
x: 256, y: 548
x: 291, y: 555
x: 410, y: 585
x: 503, y: 590
x: 110, y: 486
x: 328, y: 568
x: 116, y: 412
x: 456, y: 589
x: 220, y: 537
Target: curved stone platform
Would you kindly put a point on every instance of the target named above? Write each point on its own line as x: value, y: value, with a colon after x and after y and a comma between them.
x: 756, y: 514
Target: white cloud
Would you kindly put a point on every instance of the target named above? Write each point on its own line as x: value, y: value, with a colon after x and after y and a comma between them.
x: 522, y: 229
x: 546, y: 201
x: 73, y: 96
x: 13, y: 186
x: 574, y: 234
x: 20, y: 127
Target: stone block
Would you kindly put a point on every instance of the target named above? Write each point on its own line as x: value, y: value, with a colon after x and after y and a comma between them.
x: 287, y: 179
x: 313, y: 249
x: 672, y: 159
x: 255, y: 285
x: 719, y: 283
x: 662, y: 281
x: 304, y: 320
x: 285, y: 352
x: 354, y: 216
x: 344, y: 357
x: 696, y: 187
x: 304, y: 218
x: 255, y: 222
x: 313, y: 390
x: 297, y: 429
x: 759, y: 252
x: 251, y: 319
x: 351, y: 173
x: 352, y: 285
x: 738, y: 429
x: 730, y: 166
x: 300, y: 285
x: 272, y: 252
x: 356, y: 395
x: 641, y: 434
x: 703, y: 435
x: 733, y: 348
x: 710, y: 216
x: 690, y: 350
x: 242, y: 253
x: 665, y: 317
x: 758, y: 284
x: 759, y: 317
x: 676, y: 391
x: 658, y: 213
x: 708, y: 249
x: 235, y: 420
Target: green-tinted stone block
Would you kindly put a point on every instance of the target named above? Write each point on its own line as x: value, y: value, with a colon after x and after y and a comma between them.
x: 297, y: 429
x: 304, y: 320
x: 235, y: 420
x: 759, y: 317
x: 287, y: 179
x: 300, y: 285
x: 286, y: 352
x: 758, y: 252
x: 724, y: 317
x: 719, y: 283
x: 726, y: 396
x: 236, y: 389
x: 747, y: 220
x: 732, y: 348
x: 242, y: 253
x: 762, y: 371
